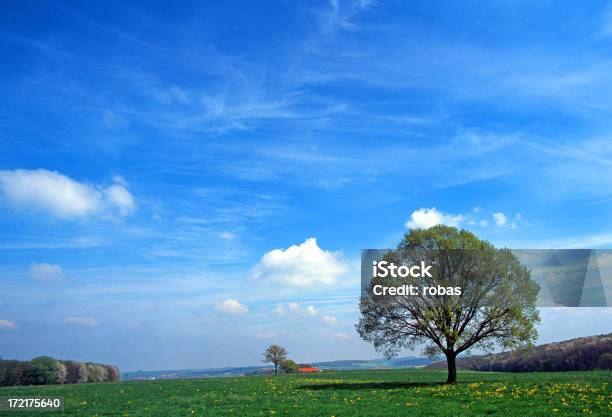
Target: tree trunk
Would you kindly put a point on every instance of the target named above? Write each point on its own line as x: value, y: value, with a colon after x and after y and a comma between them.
x: 452, y: 367
x: 276, y: 369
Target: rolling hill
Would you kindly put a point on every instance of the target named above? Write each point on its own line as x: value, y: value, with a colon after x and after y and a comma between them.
x: 581, y: 354
x: 342, y: 365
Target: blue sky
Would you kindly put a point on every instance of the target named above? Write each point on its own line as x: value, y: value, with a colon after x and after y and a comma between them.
x: 173, y: 178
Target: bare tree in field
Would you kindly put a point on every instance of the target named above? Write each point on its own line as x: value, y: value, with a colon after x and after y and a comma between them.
x: 275, y: 354
x: 496, y: 305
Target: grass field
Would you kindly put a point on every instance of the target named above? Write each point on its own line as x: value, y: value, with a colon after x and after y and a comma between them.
x: 351, y: 393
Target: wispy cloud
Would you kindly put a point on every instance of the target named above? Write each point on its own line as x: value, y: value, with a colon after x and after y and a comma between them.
x: 33, y: 243
x: 296, y: 309
x: 580, y: 241
x: 332, y: 321
x: 231, y: 307
x: 606, y: 29
x: 47, y: 273
x: 7, y: 324
x: 340, y: 14
x: 82, y: 321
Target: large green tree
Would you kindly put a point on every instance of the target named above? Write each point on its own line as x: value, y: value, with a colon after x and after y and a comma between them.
x: 496, y: 306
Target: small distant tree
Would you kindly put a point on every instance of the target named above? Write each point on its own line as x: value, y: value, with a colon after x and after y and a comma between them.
x: 275, y: 354
x: 288, y: 366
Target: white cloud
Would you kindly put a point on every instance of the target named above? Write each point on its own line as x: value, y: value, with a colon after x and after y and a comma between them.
x: 268, y: 335
x: 62, y: 197
x: 517, y: 219
x: 607, y: 23
x: 280, y: 310
x: 481, y: 223
x: 424, y: 218
x: 311, y: 311
x: 45, y: 272
x: 230, y: 306
x: 118, y: 196
x: 82, y: 321
x: 7, y: 324
x: 170, y: 95
x: 296, y: 308
x: 341, y: 15
x: 332, y: 321
x: 342, y: 336
x: 303, y: 265
x: 227, y: 235
x: 500, y: 218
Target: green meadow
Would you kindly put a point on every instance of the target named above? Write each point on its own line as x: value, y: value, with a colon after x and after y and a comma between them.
x: 349, y: 393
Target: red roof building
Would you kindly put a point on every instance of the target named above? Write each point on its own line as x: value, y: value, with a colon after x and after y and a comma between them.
x: 308, y: 369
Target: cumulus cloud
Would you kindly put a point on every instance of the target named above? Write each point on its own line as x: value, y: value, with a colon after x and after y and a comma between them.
x: 332, y: 321
x: 45, y: 272
x: 62, y: 197
x: 232, y: 307
x: 7, y: 324
x: 424, y: 218
x: 82, y: 321
x: 303, y: 265
x: 500, y: 218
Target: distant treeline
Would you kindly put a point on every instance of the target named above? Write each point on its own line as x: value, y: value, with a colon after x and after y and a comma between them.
x: 45, y: 370
x: 582, y: 354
